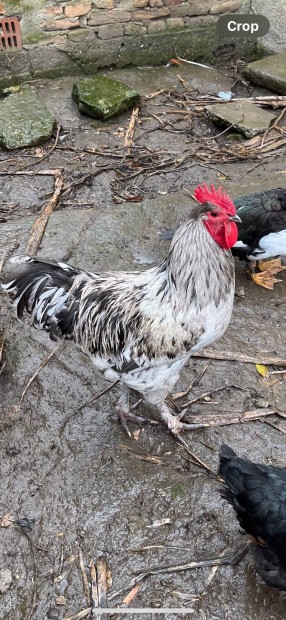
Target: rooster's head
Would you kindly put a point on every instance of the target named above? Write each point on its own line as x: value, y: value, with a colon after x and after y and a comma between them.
x: 219, y: 215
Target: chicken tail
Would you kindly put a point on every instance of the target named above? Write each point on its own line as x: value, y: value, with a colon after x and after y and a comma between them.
x: 48, y: 291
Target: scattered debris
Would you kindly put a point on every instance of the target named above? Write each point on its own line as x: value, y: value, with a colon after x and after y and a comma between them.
x: 262, y: 370
x: 157, y: 460
x: 7, y: 520
x: 102, y: 97
x: 160, y: 522
x: 6, y: 580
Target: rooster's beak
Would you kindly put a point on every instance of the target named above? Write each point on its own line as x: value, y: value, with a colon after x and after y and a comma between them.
x: 235, y: 218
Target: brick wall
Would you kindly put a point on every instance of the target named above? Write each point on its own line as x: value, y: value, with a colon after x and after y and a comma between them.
x: 51, y: 20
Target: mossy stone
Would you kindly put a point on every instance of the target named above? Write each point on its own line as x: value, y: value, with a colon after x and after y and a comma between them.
x: 102, y: 97
x: 24, y: 120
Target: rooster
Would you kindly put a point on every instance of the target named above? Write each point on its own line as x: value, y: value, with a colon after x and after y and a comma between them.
x: 140, y: 328
x: 258, y: 496
x: 261, y: 234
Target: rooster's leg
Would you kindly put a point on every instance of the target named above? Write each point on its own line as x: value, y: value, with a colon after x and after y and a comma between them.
x: 124, y: 413
x: 173, y: 423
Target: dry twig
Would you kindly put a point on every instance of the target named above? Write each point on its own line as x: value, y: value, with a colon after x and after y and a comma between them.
x: 41, y: 222
x: 83, y: 574
x: 42, y: 365
x: 235, y: 356
x: 128, y: 139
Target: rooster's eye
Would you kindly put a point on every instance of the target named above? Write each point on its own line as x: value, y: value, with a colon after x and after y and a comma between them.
x: 214, y: 213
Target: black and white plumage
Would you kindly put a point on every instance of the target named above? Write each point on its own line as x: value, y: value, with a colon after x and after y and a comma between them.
x: 258, y: 496
x: 139, y: 327
x: 261, y: 234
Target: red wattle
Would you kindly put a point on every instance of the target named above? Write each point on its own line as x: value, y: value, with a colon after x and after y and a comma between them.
x: 225, y: 236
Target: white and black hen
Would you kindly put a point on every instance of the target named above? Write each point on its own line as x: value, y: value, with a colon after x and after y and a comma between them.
x: 141, y: 327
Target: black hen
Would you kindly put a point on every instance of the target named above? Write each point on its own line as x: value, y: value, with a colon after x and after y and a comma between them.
x: 258, y: 496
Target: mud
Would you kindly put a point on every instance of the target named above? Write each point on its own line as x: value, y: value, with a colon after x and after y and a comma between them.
x: 73, y: 470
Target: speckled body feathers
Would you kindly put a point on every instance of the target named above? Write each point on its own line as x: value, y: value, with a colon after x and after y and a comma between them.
x: 139, y: 327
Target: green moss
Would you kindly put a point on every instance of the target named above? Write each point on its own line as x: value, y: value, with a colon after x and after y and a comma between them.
x: 24, y: 120
x: 35, y: 37
x: 103, y: 97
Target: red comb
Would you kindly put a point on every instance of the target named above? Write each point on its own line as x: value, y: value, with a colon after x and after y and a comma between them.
x: 203, y: 194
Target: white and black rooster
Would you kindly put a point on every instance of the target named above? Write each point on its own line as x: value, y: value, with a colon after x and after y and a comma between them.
x: 141, y: 327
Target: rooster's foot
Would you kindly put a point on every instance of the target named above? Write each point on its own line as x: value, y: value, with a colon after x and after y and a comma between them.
x: 124, y: 412
x: 173, y: 423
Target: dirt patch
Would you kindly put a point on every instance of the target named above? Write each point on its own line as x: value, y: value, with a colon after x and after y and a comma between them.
x: 71, y: 470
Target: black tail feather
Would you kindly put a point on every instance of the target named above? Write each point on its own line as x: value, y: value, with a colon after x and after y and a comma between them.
x: 42, y: 288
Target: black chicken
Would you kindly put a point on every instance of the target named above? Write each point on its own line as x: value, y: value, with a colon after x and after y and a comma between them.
x: 261, y: 234
x: 140, y: 328
x: 258, y: 496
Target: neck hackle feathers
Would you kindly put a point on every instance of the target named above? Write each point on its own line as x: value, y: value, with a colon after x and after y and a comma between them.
x: 218, y: 197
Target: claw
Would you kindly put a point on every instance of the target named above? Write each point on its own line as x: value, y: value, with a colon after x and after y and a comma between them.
x: 273, y: 266
x: 268, y: 269
x: 124, y: 411
x: 174, y: 424
x: 126, y: 415
x: 264, y: 279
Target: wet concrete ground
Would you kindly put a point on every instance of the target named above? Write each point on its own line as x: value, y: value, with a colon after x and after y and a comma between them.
x: 72, y: 469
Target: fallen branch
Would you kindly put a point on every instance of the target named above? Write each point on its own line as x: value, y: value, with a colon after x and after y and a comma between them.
x: 41, y: 222
x: 83, y: 575
x: 42, y: 365
x: 88, y: 402
x: 232, y: 356
x: 231, y: 560
x: 225, y: 418
x: 192, y: 384
x: 196, y: 460
x: 128, y: 139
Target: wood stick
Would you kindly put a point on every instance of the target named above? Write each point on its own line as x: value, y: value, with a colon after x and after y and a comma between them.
x: 83, y: 574
x: 128, y: 139
x: 93, y: 590
x: 41, y: 222
x: 226, y: 418
x: 42, y: 365
x: 233, y: 356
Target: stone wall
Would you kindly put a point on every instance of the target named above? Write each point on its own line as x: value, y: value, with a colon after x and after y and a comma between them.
x: 45, y: 22
x: 69, y: 37
x: 275, y: 11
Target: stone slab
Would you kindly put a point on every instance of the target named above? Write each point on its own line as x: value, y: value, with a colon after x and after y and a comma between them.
x: 24, y: 120
x: 245, y: 117
x: 269, y: 72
